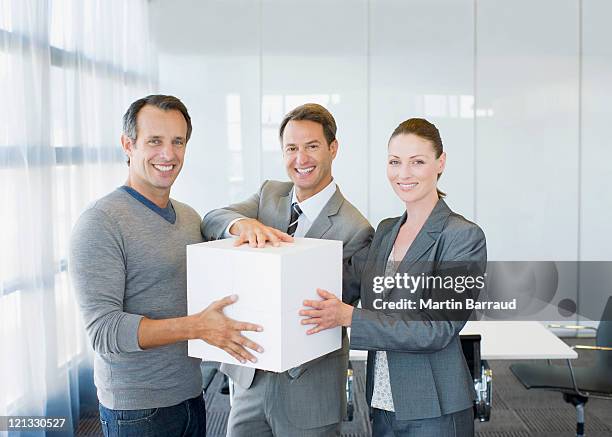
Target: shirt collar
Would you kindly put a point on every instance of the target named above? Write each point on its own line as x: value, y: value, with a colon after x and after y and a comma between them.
x: 313, y: 206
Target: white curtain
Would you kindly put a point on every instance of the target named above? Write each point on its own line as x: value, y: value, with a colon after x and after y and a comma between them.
x: 68, y: 71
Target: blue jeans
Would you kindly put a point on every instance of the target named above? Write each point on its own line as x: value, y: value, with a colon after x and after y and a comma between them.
x: 185, y: 419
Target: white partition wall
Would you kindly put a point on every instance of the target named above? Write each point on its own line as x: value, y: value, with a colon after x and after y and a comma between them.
x: 422, y: 65
x: 527, y: 132
x: 596, y: 132
x: 309, y: 54
x: 520, y: 91
x: 209, y: 57
x: 596, y: 157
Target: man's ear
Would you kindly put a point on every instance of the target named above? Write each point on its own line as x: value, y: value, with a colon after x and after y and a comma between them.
x: 127, y: 145
x: 334, y: 148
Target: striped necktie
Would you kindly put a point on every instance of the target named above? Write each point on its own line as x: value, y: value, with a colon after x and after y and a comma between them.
x: 293, y: 221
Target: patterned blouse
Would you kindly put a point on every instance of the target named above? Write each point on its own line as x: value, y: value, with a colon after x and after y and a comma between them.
x: 381, y: 397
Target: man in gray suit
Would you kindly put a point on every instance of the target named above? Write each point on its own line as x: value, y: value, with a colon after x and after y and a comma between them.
x: 308, y: 400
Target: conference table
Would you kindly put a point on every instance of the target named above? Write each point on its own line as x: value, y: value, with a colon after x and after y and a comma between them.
x: 511, y: 340
x: 528, y: 340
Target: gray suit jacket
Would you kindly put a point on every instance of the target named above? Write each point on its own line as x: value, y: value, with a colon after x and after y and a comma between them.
x: 314, y: 393
x: 427, y: 370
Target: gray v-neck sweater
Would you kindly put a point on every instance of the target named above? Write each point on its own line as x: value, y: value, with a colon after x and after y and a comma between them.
x: 126, y: 262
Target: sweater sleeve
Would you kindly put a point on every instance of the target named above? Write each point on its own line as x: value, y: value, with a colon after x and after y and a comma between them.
x: 97, y: 268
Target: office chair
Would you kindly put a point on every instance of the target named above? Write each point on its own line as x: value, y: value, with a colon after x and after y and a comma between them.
x: 479, y: 369
x: 482, y: 376
x: 576, y: 384
x: 350, y: 394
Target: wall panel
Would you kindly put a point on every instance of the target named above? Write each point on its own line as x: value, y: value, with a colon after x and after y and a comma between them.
x: 422, y: 65
x: 527, y: 136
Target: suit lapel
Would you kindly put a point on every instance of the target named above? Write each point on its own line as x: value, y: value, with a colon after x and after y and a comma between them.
x: 386, y: 245
x: 426, y: 237
x: 320, y: 226
x: 420, y: 247
x: 323, y: 221
x: 283, y: 212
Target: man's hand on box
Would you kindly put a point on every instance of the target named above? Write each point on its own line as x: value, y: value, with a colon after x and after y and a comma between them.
x: 326, y: 313
x: 256, y: 233
x: 217, y: 329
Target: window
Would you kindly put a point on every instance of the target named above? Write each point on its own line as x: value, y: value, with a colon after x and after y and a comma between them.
x: 64, y: 93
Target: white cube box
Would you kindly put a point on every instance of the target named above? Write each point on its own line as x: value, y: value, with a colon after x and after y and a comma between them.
x: 271, y: 284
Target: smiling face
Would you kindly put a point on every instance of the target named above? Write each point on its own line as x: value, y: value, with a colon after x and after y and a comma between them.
x: 413, y: 169
x: 156, y: 156
x: 307, y: 157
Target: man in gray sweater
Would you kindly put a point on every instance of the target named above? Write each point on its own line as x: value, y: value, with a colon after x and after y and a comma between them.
x: 127, y: 261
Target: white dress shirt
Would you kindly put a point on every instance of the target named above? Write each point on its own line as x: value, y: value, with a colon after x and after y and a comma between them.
x: 311, y: 208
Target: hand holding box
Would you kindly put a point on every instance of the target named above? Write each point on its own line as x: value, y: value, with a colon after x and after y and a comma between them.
x: 271, y: 284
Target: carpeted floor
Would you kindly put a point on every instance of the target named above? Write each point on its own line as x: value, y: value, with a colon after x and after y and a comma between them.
x: 517, y: 412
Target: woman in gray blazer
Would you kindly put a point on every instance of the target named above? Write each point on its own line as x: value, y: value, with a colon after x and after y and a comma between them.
x: 418, y: 382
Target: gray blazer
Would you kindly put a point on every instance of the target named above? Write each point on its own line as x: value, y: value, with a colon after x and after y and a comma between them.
x: 314, y: 393
x: 428, y: 373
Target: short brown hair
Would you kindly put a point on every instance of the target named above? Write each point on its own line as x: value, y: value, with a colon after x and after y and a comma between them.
x: 312, y: 112
x: 423, y: 129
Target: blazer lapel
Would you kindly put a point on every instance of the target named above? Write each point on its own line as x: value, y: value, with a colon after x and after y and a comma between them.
x: 422, y: 243
x: 323, y: 222
x: 419, y: 247
x: 283, y: 212
x: 386, y: 245
x: 427, y: 236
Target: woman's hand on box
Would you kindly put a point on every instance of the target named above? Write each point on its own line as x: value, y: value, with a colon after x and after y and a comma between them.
x: 327, y: 313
